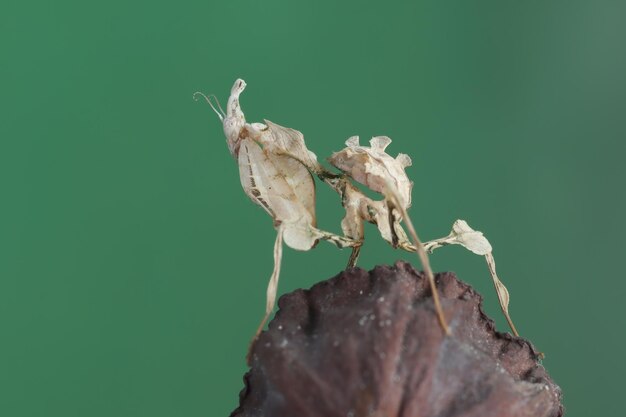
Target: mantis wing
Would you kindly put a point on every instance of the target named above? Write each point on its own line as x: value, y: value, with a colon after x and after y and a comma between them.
x: 282, y: 140
x: 284, y: 188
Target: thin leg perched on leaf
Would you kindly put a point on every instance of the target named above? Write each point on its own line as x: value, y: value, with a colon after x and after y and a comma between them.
x: 354, y: 256
x: 473, y: 240
x: 503, y: 293
x: 272, y: 287
x: 421, y: 253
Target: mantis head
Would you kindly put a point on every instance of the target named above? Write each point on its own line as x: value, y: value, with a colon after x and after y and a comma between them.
x: 233, y: 118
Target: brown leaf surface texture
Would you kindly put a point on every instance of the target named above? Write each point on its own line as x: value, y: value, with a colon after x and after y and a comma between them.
x: 368, y: 344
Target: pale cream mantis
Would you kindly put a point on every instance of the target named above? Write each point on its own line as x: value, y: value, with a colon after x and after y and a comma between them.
x: 276, y: 171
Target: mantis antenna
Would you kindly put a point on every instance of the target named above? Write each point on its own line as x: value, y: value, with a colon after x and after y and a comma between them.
x: 221, y: 113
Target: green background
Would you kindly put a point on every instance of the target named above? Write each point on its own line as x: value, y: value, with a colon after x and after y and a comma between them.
x: 132, y: 266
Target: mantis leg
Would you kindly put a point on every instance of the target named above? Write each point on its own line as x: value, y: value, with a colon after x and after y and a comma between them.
x: 421, y: 253
x: 339, y: 241
x: 272, y: 287
x: 342, y: 242
x: 474, y: 241
x: 503, y: 293
x: 352, y: 227
x: 354, y: 256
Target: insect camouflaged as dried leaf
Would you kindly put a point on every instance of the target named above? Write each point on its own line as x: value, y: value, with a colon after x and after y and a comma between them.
x: 377, y: 170
x: 276, y: 171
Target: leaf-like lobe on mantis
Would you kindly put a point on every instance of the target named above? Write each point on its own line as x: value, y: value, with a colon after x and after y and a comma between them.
x: 282, y: 140
x: 374, y: 168
x: 273, y: 173
x: 473, y: 240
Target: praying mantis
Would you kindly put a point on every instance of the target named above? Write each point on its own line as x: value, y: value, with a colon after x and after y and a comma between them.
x: 277, y: 173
